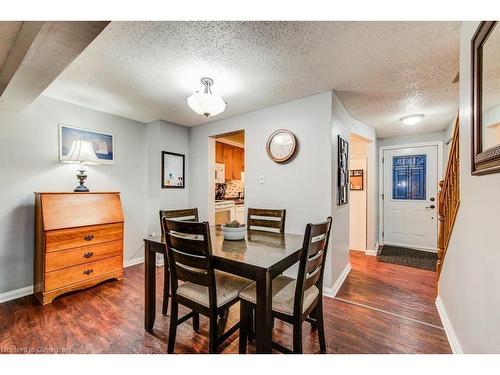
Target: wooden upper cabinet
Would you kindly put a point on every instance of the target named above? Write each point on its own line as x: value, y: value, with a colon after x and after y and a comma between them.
x: 219, y: 152
x: 238, y: 163
x: 229, y: 161
x: 233, y: 159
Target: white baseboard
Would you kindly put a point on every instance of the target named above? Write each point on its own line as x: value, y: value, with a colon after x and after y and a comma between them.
x: 18, y: 293
x: 133, y: 262
x: 372, y: 252
x: 448, y: 328
x: 332, y: 292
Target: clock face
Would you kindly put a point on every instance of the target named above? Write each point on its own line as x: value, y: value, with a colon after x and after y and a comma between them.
x: 281, y: 145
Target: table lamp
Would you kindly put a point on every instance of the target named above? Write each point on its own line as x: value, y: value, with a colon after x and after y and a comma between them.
x: 81, y: 152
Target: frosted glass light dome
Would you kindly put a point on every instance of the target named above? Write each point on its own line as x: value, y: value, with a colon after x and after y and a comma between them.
x: 206, y: 103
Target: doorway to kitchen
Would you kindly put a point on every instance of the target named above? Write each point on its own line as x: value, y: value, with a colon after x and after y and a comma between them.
x: 229, y: 178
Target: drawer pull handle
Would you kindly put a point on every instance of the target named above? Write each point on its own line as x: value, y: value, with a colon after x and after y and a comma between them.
x: 88, y: 272
x: 88, y: 255
x: 88, y: 237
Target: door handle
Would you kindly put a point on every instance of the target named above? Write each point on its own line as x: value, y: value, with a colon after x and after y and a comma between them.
x: 431, y: 206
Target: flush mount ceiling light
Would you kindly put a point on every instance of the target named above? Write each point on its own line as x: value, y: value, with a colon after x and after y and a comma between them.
x: 412, y: 119
x: 206, y: 103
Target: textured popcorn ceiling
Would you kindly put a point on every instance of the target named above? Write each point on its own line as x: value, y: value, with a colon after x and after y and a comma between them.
x: 381, y: 71
x: 8, y: 33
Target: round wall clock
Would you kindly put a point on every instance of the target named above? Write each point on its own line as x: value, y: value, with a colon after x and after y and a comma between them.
x: 281, y: 145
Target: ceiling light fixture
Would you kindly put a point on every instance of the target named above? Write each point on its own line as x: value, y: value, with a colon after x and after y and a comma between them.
x: 206, y: 103
x: 412, y: 119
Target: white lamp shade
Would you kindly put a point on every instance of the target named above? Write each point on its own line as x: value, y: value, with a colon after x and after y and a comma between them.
x: 206, y: 104
x: 82, y: 152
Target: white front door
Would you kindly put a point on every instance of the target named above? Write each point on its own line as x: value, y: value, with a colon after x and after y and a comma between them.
x: 410, y: 197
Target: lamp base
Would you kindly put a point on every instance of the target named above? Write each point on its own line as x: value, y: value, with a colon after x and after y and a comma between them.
x: 81, y: 176
x: 81, y: 189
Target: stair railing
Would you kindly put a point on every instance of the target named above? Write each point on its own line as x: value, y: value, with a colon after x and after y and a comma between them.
x: 448, y: 199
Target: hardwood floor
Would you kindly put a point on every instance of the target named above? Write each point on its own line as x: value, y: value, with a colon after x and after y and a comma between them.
x: 406, y: 291
x: 377, y: 311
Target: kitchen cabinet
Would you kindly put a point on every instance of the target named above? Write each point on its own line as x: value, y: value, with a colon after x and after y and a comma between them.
x: 219, y: 152
x: 238, y: 163
x: 229, y: 161
x: 232, y: 157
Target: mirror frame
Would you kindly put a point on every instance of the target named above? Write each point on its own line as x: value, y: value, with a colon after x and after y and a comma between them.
x: 488, y: 161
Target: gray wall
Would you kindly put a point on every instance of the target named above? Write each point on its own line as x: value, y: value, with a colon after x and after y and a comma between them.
x: 164, y: 136
x: 414, y: 138
x: 29, y: 162
x: 470, y: 279
x: 344, y: 125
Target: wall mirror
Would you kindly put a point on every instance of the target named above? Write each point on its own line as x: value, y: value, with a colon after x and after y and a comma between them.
x: 486, y: 99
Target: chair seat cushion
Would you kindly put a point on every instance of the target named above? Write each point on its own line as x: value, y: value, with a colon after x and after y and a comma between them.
x: 228, y: 287
x: 283, y: 293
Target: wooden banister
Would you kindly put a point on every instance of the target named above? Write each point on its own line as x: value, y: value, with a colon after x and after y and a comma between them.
x: 448, y: 199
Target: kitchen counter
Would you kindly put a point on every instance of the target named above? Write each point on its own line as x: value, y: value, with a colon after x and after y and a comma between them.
x: 237, y: 201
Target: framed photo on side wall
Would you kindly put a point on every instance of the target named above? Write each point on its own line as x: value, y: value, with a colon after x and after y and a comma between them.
x: 343, y: 171
x: 172, y: 170
x: 356, y: 179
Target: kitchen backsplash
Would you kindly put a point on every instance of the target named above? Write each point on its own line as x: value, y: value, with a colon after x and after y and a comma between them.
x: 233, y: 187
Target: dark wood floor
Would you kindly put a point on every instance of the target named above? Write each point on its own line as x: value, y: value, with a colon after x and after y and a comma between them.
x: 377, y: 311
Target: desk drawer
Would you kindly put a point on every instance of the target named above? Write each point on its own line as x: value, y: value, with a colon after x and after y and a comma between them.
x: 83, y: 272
x: 67, y: 258
x: 64, y: 239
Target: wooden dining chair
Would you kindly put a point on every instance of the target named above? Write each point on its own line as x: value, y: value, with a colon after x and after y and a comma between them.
x: 295, y: 300
x: 204, y: 290
x: 187, y: 214
x: 269, y: 220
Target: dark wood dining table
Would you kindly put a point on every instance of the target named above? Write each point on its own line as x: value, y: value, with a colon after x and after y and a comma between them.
x: 261, y: 256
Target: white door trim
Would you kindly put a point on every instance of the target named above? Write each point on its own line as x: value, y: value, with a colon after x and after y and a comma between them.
x: 381, y: 150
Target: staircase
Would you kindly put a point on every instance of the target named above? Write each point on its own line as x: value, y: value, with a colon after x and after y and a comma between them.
x: 448, y: 199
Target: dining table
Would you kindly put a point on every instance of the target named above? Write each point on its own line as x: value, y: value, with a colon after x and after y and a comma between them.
x: 260, y: 257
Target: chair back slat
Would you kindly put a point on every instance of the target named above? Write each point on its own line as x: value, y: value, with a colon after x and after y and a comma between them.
x: 312, y: 278
x: 192, y: 244
x: 312, y: 261
x: 186, y: 228
x: 186, y: 214
x: 191, y: 275
x: 190, y: 260
x: 268, y: 220
x: 317, y: 246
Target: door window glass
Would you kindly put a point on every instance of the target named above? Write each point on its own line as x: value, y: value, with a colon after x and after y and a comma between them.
x: 408, y: 177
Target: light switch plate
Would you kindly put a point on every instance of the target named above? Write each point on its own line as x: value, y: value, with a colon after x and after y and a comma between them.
x: 261, y: 179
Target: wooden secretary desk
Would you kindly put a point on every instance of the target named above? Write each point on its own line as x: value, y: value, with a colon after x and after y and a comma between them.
x: 78, y: 242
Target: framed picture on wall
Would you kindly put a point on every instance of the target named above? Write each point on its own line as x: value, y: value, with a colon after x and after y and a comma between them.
x: 356, y: 179
x: 103, y: 143
x: 343, y: 171
x: 172, y: 170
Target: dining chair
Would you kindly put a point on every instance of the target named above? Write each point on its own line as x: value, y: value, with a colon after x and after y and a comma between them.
x: 204, y: 290
x: 190, y: 214
x: 295, y: 300
x: 269, y: 220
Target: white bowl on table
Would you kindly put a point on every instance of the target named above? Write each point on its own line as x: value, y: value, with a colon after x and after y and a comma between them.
x: 233, y: 234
